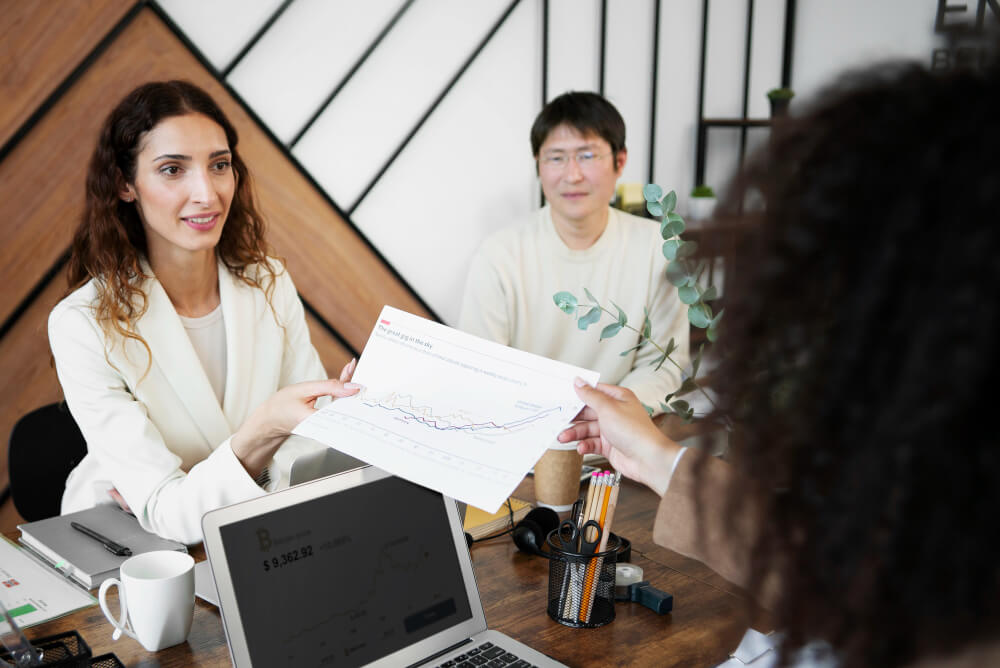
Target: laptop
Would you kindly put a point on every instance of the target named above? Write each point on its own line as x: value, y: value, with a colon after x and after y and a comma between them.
x: 357, y: 569
x: 320, y: 464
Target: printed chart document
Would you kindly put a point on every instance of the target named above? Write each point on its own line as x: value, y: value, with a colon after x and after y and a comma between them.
x: 33, y: 593
x: 448, y: 410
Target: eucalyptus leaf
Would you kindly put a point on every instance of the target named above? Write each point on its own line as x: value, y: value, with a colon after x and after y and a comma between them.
x: 590, y: 296
x: 649, y: 410
x: 676, y: 274
x: 671, y: 228
x: 687, y: 249
x: 654, y: 208
x: 689, y: 385
x: 697, y: 361
x: 659, y: 361
x: 669, y: 202
x: 697, y: 316
x: 663, y: 407
x: 712, y: 333
x: 671, y: 346
x: 626, y: 352
x: 652, y: 192
x: 622, y: 318
x: 670, y: 248
x: 646, y: 324
x: 592, y: 316
x: 709, y: 294
x: 680, y: 406
x: 688, y: 294
x: 610, y: 331
x: 565, y: 301
x: 717, y: 318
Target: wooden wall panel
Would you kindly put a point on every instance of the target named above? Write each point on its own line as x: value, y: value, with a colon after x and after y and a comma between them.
x: 42, y: 43
x: 41, y: 190
x: 333, y: 355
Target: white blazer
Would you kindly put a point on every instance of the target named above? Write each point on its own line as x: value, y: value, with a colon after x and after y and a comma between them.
x: 161, y: 438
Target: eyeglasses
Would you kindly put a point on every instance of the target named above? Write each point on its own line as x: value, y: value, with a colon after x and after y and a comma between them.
x: 560, y: 161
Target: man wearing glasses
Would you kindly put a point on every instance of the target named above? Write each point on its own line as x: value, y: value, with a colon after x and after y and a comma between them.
x: 578, y: 241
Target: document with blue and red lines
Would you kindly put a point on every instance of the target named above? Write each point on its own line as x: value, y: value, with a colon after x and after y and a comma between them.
x: 444, y: 409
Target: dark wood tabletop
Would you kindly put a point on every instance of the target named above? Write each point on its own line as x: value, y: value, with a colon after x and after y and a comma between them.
x: 708, y: 619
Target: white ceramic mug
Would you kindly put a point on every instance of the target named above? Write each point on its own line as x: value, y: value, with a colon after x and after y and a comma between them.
x: 156, y: 592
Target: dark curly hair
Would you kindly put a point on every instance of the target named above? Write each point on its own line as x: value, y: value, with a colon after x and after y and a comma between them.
x: 861, y: 343
x: 110, y: 241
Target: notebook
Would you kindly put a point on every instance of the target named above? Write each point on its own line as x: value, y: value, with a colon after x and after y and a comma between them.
x: 357, y: 569
x: 83, y: 558
x: 480, y: 523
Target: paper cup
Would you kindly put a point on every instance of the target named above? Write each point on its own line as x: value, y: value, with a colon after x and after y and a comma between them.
x: 557, y: 478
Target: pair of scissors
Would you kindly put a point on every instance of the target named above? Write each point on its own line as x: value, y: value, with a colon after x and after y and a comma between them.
x: 579, y: 540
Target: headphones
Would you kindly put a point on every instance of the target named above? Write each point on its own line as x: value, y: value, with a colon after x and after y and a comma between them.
x: 529, y: 534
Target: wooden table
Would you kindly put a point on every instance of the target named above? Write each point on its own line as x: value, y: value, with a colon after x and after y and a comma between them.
x: 707, y: 622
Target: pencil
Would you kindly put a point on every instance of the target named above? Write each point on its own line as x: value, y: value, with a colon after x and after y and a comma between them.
x: 600, y: 513
x: 609, y: 519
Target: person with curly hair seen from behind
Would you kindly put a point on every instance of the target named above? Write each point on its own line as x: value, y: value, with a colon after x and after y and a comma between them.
x: 860, y: 499
x: 182, y: 347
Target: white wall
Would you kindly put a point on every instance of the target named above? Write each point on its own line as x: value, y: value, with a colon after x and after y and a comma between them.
x: 468, y: 170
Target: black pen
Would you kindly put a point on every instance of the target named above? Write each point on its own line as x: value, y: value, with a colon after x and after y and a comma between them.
x: 111, y: 546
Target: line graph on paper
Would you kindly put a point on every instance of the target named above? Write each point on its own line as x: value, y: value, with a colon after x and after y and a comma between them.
x: 409, y: 410
x: 449, y: 411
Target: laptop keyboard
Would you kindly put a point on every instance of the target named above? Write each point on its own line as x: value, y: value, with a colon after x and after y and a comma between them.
x: 486, y: 655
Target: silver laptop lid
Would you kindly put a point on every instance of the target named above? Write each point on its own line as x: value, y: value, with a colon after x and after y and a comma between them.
x: 320, y: 464
x: 358, y: 569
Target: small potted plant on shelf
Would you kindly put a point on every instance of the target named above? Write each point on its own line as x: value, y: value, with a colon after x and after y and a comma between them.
x: 779, y: 99
x: 702, y: 203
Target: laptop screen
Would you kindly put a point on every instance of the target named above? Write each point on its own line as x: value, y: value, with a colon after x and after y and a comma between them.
x: 317, y: 583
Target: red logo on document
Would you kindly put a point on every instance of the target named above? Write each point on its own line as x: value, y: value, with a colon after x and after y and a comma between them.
x: 384, y: 322
x: 10, y: 583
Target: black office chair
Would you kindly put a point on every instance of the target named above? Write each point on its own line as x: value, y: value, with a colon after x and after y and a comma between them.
x: 45, y: 445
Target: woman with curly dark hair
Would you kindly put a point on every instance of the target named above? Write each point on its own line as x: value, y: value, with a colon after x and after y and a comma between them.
x: 860, y: 499
x: 182, y: 347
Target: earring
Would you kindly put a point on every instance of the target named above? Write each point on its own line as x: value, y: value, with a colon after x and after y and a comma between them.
x: 127, y: 198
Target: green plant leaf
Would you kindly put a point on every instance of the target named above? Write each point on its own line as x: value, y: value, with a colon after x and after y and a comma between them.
x: 610, y: 331
x: 565, y: 301
x: 680, y: 406
x: 590, y: 296
x: 709, y: 294
x: 689, y: 385
x: 697, y: 316
x: 669, y: 202
x: 654, y: 208
x: 626, y: 352
x: 622, y: 318
x: 672, y: 226
x: 697, y: 361
x: 688, y: 294
x: 676, y: 274
x: 687, y: 249
x: 649, y: 410
x: 713, y: 327
x: 670, y: 248
x: 659, y: 361
x: 592, y: 316
x: 665, y: 408
x: 671, y: 346
x: 646, y: 325
x: 652, y: 192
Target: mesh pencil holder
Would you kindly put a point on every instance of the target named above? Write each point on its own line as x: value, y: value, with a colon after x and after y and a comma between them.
x: 582, y: 586
x: 64, y: 650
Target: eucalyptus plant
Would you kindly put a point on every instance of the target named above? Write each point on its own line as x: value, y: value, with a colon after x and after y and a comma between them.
x: 683, y: 272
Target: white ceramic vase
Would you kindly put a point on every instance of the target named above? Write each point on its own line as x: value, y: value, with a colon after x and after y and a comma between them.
x: 701, y: 208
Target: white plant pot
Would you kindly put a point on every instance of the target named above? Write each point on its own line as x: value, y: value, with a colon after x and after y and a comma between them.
x: 701, y: 208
